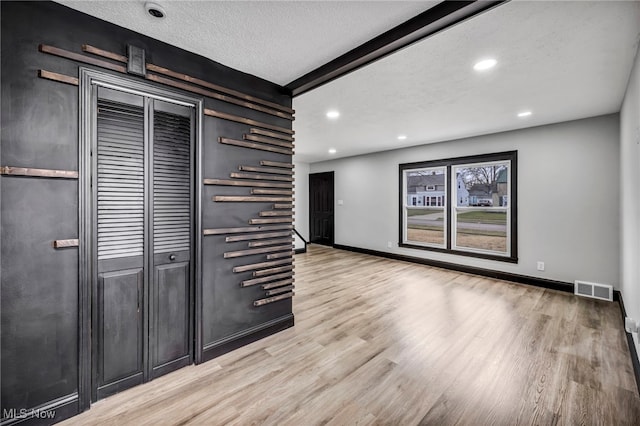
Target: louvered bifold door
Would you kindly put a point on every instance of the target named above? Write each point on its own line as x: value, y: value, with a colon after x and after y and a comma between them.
x: 172, y: 230
x: 120, y: 221
x: 143, y: 204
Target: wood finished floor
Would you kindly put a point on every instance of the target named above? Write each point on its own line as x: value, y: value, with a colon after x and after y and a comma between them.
x: 384, y: 342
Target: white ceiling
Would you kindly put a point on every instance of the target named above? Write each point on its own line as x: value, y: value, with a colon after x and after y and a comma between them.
x: 275, y: 40
x: 562, y: 60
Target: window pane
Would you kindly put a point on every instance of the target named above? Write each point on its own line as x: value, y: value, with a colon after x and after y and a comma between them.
x: 426, y: 187
x: 425, y: 225
x: 426, y: 191
x: 482, y: 193
x: 484, y: 185
x: 484, y: 229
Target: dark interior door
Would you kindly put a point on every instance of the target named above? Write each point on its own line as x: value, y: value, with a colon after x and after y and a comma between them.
x: 321, y: 214
x: 143, y: 204
x: 120, y: 222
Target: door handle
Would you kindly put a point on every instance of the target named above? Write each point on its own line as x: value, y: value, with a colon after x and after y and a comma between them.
x: 172, y: 257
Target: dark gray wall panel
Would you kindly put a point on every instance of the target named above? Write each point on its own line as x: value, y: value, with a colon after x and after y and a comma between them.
x: 221, y: 159
x: 247, y: 113
x: 228, y: 308
x: 40, y: 139
x: 39, y: 291
x: 40, y: 130
x: 224, y: 215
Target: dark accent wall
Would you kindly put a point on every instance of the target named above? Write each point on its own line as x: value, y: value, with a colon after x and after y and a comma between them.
x: 230, y: 309
x: 41, y: 302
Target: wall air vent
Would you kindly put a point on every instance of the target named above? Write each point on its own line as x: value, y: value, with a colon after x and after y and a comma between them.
x: 594, y: 290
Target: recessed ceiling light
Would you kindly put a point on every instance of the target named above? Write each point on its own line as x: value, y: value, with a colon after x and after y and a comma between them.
x: 524, y: 114
x: 402, y: 137
x: 333, y: 114
x: 332, y: 151
x: 154, y: 10
x: 485, y: 64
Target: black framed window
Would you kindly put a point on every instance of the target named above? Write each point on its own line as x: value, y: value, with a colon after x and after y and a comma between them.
x: 464, y: 205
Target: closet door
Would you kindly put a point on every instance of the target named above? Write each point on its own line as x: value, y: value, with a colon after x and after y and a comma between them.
x: 170, y: 325
x: 120, y: 220
x: 143, y: 323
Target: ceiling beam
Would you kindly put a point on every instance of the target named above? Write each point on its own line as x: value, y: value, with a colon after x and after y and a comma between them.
x: 432, y: 21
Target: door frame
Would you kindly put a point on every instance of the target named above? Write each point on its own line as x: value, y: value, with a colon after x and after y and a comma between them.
x: 90, y: 79
x: 333, y: 211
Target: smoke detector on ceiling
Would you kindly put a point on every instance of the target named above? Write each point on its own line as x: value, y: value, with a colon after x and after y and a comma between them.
x: 154, y: 9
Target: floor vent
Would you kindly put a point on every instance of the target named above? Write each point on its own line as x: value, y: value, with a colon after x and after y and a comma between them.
x: 594, y: 290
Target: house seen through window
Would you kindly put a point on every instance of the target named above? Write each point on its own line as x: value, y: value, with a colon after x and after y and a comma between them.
x: 481, y: 219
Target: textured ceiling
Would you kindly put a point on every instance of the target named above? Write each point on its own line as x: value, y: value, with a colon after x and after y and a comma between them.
x: 562, y: 60
x: 275, y: 40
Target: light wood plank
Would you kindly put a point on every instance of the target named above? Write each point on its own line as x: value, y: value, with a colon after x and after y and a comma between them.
x: 230, y: 182
x: 203, y: 83
x: 43, y: 173
x: 276, y: 164
x: 257, y: 236
x: 248, y: 121
x: 262, y: 243
x: 257, y: 176
x: 271, y: 271
x: 253, y: 145
x: 268, y: 141
x: 276, y: 213
x: 249, y: 199
x: 214, y: 95
x: 277, y: 284
x: 255, y: 281
x: 272, y: 134
x: 273, y: 299
x: 258, y: 191
x: 240, y: 253
x: 253, y: 266
x: 261, y: 221
x: 279, y: 290
x: 280, y: 255
x: 74, y: 242
x: 104, y: 53
x: 61, y: 78
x: 244, y: 229
x: 265, y: 170
x: 52, y: 50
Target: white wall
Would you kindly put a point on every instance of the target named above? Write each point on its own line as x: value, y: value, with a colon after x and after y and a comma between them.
x: 568, y: 198
x: 301, y: 204
x: 630, y: 194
